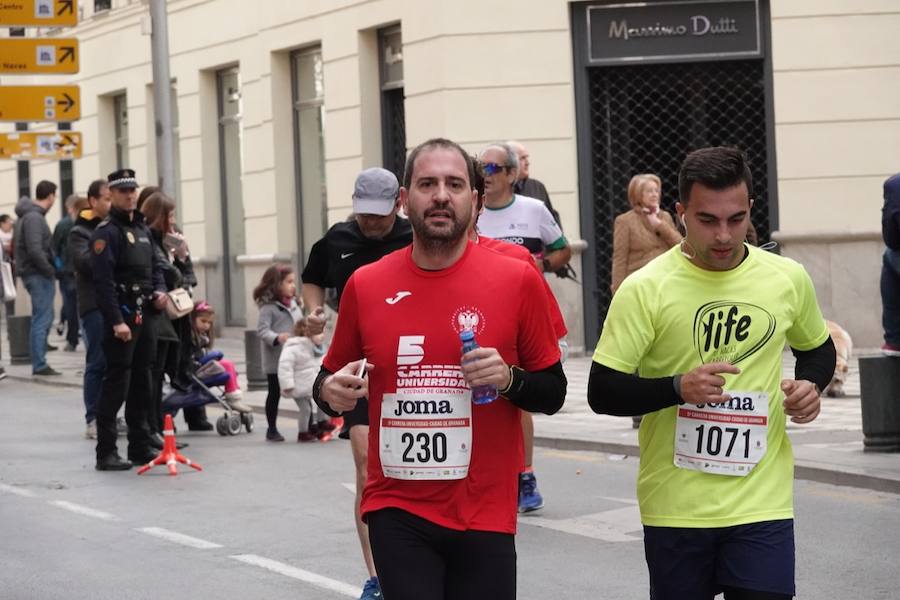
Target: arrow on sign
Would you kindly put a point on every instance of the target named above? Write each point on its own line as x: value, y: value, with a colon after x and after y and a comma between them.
x: 67, y: 101
x: 66, y: 141
x: 68, y: 52
x: 65, y: 7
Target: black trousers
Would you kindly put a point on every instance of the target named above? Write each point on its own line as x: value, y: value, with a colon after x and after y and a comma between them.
x: 417, y: 559
x: 127, y: 380
x: 154, y: 413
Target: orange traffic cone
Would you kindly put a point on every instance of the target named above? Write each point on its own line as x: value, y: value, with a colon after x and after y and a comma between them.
x: 169, y: 454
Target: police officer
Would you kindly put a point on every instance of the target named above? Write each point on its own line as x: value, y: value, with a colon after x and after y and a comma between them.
x: 129, y: 284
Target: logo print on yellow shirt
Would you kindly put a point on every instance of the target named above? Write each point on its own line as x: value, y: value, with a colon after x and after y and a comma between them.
x: 731, y: 331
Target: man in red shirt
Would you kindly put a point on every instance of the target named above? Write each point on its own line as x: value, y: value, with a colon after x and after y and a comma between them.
x: 440, y: 498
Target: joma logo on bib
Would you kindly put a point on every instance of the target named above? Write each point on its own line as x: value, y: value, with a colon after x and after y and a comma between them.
x: 731, y: 331
x: 736, y: 403
x: 423, y: 407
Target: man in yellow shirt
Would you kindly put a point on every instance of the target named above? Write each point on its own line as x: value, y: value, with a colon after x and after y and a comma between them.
x: 703, y: 326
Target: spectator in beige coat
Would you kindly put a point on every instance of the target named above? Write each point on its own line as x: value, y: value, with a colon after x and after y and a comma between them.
x: 642, y: 233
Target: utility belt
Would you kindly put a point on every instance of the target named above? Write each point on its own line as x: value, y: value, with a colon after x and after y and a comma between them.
x: 133, y: 299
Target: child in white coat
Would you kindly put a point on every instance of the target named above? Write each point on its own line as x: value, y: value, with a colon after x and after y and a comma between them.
x: 298, y: 367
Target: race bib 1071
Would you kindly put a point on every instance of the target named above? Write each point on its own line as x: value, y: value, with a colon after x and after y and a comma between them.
x: 727, y: 438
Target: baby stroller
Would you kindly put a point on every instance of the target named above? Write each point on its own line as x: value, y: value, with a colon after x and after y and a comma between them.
x: 208, y: 374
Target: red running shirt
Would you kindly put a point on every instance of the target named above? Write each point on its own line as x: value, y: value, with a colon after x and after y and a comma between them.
x: 406, y: 322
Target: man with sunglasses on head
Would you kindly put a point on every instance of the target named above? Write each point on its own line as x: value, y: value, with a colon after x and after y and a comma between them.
x: 525, y: 222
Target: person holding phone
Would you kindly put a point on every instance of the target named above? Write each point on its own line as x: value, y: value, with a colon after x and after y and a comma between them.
x: 440, y: 499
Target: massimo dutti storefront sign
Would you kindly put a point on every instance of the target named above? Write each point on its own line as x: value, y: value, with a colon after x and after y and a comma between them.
x: 678, y: 30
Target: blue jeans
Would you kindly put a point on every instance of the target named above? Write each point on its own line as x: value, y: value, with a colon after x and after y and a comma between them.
x: 95, y: 361
x: 41, y: 289
x: 890, y: 296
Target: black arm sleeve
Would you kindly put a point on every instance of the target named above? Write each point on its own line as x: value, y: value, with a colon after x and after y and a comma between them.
x: 317, y: 393
x: 538, y: 391
x: 816, y: 365
x: 612, y: 392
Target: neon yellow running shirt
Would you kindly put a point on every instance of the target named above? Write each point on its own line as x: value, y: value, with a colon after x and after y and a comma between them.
x: 672, y: 316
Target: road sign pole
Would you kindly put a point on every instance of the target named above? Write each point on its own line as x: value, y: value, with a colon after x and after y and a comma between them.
x: 162, y: 97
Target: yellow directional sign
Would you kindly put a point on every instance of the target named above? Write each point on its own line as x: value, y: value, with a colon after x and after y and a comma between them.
x: 27, y: 145
x: 40, y: 103
x: 38, y: 55
x: 38, y: 13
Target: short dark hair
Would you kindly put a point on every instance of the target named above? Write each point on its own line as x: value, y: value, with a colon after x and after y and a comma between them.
x: 717, y: 168
x: 4, y: 218
x: 44, y: 189
x: 432, y: 144
x: 96, y: 187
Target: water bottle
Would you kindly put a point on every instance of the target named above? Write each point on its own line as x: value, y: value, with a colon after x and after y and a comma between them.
x: 481, y: 394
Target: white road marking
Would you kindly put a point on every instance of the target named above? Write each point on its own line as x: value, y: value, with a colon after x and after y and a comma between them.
x: 315, y: 579
x: 351, y: 487
x: 178, y: 538
x: 18, y: 491
x: 609, y: 526
x: 85, y: 510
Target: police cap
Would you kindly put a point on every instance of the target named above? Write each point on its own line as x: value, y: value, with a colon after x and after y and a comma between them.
x: 122, y: 179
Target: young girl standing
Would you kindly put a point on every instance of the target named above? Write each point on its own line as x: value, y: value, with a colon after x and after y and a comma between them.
x: 276, y: 296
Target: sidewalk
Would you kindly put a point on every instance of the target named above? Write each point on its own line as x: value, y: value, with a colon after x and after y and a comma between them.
x: 829, y: 450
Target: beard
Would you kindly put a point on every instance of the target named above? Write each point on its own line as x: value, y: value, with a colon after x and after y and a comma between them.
x: 437, y: 238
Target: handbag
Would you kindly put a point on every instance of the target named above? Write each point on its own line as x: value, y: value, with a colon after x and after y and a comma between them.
x: 7, y: 283
x: 178, y: 303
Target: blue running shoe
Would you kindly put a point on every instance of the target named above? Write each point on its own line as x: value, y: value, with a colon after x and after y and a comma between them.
x: 371, y: 590
x: 529, y: 497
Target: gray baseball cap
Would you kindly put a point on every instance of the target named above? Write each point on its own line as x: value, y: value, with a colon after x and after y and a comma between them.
x: 375, y: 192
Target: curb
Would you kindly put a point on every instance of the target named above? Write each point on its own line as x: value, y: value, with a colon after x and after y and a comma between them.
x: 801, y: 471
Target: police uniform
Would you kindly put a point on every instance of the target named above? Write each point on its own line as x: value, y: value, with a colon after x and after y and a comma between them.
x: 126, y: 275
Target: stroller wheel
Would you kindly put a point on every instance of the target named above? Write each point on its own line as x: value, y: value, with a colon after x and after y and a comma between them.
x: 247, y: 419
x: 222, y: 425
x: 234, y: 424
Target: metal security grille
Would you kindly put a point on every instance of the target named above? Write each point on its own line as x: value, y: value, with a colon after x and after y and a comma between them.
x: 646, y: 118
x: 394, y: 132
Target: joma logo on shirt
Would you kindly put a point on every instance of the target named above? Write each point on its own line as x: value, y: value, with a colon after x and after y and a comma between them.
x: 731, y: 331
x: 423, y: 407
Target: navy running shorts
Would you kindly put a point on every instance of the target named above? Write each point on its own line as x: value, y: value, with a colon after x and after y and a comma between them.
x: 695, y: 563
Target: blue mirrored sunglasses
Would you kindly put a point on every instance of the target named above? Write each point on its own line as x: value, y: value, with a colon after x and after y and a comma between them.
x: 492, y: 168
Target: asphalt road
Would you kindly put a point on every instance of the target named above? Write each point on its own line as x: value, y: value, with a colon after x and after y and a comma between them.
x: 271, y: 521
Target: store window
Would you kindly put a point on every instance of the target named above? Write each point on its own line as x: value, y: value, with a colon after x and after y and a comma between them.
x: 308, y: 85
x: 230, y: 169
x: 120, y: 113
x: 393, y: 118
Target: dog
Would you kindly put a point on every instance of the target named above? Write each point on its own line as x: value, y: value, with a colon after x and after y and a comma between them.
x: 843, y: 344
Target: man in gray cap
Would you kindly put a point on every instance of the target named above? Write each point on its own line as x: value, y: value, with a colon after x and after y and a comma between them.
x: 374, y: 231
